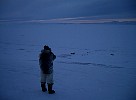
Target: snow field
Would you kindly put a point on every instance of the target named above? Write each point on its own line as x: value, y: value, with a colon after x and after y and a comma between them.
x: 94, y: 61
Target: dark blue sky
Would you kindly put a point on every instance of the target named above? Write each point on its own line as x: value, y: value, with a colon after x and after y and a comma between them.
x: 49, y: 9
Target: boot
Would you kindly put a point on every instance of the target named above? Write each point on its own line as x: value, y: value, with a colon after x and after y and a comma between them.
x: 43, y: 87
x: 50, y: 91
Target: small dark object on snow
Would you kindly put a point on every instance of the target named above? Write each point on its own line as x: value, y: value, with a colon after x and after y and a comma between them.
x: 73, y: 53
x: 112, y: 54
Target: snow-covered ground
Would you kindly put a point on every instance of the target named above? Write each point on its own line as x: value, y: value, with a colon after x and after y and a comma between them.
x: 94, y: 61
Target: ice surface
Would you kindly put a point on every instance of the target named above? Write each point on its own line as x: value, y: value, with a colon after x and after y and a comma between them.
x: 94, y: 61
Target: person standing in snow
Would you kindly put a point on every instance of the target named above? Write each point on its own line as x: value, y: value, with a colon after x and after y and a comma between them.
x: 46, y: 59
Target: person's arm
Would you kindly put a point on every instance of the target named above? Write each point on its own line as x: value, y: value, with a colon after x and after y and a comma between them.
x: 54, y: 56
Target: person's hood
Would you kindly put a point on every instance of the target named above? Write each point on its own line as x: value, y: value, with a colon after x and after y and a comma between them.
x: 45, y: 51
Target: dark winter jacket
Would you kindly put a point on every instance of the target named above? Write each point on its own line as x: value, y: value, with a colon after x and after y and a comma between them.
x: 46, y: 59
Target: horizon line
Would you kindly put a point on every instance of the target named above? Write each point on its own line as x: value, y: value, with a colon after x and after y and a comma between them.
x: 73, y: 20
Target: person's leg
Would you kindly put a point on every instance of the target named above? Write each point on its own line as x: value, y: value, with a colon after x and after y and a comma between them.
x: 43, y: 86
x: 50, y: 83
x: 50, y: 90
x: 43, y: 82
